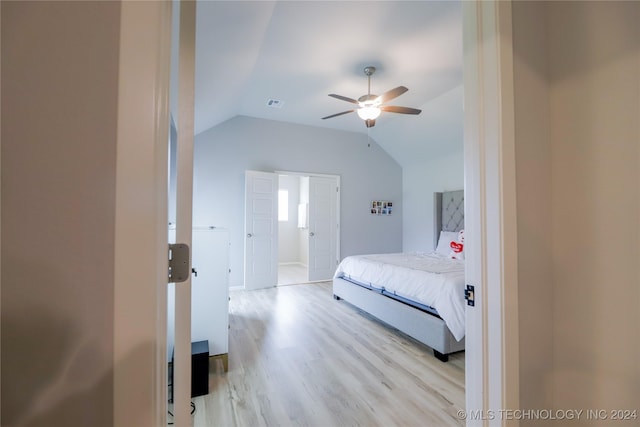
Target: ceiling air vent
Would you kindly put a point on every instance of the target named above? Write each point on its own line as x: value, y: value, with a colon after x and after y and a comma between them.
x: 275, y: 103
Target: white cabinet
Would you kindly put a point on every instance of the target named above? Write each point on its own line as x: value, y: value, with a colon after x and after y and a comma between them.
x: 209, y: 291
x: 210, y: 288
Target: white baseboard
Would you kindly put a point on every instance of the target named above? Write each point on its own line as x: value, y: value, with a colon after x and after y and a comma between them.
x: 292, y: 263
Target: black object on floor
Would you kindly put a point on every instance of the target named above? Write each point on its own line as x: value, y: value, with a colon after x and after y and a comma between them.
x: 199, y: 368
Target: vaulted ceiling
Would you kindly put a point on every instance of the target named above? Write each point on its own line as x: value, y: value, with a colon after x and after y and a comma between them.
x: 297, y: 52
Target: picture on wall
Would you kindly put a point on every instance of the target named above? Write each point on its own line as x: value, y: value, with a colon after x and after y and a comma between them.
x: 381, y: 207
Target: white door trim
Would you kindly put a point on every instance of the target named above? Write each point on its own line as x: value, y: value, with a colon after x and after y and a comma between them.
x: 492, y: 365
x: 140, y: 288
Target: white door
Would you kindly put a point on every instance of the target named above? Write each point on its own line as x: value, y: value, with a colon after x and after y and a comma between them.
x: 261, y: 230
x: 323, y: 227
x: 184, y: 203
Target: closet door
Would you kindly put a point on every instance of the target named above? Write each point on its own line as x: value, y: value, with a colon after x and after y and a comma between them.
x: 323, y: 224
x: 261, y: 230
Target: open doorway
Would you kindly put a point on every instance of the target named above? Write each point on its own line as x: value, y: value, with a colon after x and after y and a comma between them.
x: 308, y: 227
x: 293, y: 229
x: 295, y: 224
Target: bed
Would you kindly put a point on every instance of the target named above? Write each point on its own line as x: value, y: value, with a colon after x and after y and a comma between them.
x: 420, y: 294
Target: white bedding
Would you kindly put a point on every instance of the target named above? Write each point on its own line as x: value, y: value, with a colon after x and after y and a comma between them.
x: 428, y: 278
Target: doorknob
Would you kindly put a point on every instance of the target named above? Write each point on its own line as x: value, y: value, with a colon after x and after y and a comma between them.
x: 311, y: 233
x: 249, y: 235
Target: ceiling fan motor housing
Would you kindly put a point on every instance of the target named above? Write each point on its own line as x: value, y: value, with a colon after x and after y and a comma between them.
x: 364, y: 99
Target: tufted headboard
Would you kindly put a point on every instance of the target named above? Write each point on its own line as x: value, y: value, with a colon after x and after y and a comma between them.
x: 448, y: 212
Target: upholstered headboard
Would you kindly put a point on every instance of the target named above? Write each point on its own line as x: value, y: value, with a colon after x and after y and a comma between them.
x: 448, y: 212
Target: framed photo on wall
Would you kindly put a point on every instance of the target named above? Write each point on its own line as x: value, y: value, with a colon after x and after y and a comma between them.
x: 381, y: 207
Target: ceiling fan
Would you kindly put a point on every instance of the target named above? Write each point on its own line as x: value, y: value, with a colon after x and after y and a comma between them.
x: 370, y: 106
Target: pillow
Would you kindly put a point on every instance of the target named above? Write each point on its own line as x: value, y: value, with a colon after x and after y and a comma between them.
x: 457, y: 247
x: 444, y: 243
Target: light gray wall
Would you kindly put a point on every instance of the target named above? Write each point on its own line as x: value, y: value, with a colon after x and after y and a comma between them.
x: 420, y: 181
x: 594, y: 58
x: 223, y: 153
x: 59, y: 134
x: 434, y: 164
x: 436, y: 132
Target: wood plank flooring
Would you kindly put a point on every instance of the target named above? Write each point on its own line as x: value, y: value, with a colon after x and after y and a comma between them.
x: 299, y: 357
x: 290, y: 274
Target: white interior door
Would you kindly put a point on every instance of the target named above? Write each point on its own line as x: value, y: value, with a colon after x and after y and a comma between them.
x: 323, y: 227
x: 184, y: 204
x: 261, y: 230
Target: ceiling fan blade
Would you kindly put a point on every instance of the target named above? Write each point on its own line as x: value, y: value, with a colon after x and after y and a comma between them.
x: 343, y: 98
x: 401, y: 110
x: 339, y: 114
x: 393, y: 93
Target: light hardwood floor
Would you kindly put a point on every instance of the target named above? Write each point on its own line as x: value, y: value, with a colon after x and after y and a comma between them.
x: 290, y: 274
x: 299, y: 357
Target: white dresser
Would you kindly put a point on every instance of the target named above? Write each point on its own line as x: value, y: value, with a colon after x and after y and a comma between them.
x: 210, y: 288
x: 209, y: 291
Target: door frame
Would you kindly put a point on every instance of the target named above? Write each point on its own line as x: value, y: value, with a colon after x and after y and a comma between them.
x: 140, y: 322
x: 488, y: 135
x: 181, y: 369
x: 492, y: 373
x: 323, y: 175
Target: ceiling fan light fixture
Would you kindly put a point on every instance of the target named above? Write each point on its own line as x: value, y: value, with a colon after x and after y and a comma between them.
x: 370, y: 106
x: 368, y: 112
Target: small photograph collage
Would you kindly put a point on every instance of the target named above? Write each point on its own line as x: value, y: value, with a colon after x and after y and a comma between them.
x: 379, y: 207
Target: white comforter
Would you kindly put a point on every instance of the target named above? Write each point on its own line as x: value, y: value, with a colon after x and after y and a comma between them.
x: 428, y: 278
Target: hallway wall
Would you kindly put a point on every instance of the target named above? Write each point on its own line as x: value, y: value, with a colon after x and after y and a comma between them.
x: 577, y: 103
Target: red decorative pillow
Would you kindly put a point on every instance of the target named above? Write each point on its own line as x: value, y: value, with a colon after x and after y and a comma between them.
x: 457, y: 248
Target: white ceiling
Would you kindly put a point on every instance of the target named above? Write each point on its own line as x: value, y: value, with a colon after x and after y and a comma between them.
x: 298, y: 52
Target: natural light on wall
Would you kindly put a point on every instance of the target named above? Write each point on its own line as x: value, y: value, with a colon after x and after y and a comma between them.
x: 303, y: 208
x: 283, y: 205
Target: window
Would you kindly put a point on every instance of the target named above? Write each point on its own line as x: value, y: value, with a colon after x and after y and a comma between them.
x: 283, y: 205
